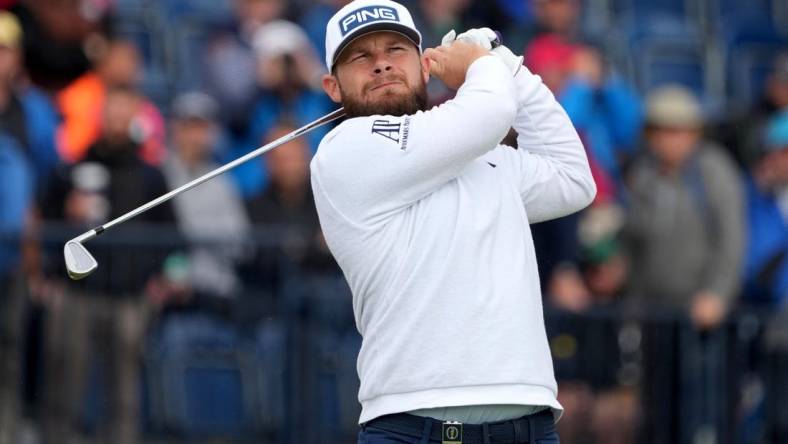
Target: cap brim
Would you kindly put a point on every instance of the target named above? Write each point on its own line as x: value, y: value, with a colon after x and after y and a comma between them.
x: 408, y: 32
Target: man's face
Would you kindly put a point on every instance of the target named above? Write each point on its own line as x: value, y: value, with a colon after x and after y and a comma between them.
x: 777, y: 91
x: 673, y: 146
x: 772, y: 170
x: 559, y: 16
x: 194, y: 138
x: 121, y: 65
x: 379, y: 73
x: 120, y: 107
x: 9, y: 64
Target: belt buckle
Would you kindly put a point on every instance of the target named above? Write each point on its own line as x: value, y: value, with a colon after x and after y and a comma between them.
x: 451, y: 432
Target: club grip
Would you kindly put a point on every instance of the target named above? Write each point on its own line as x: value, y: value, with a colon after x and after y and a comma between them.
x: 498, y: 40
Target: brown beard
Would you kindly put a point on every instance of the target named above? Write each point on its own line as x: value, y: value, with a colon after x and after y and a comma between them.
x: 391, y: 104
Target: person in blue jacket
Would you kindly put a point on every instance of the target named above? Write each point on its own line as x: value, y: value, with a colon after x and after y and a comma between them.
x: 288, y: 74
x: 16, y: 197
x: 766, y: 262
x: 26, y: 114
x: 604, y: 109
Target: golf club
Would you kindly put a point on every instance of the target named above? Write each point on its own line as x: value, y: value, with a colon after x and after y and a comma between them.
x: 80, y: 263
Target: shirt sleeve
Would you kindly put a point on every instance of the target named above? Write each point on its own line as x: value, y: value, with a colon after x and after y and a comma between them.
x: 370, y: 167
x: 550, y: 162
x: 723, y: 187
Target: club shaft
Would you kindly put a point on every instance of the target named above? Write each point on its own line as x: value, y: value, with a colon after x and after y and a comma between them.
x: 211, y: 174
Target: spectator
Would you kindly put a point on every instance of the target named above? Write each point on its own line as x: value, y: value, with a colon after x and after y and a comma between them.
x: 229, y: 69
x: 555, y: 241
x: 434, y: 18
x: 59, y: 35
x: 212, y: 218
x: 27, y: 159
x: 550, y: 56
x: 686, y: 226
x: 288, y: 75
x: 314, y: 22
x: 105, y: 315
x: 505, y: 15
x: 596, y: 378
x: 117, y: 65
x: 26, y: 114
x: 606, y: 113
x: 288, y: 204
x: 560, y: 18
x: 603, y: 262
x: 603, y: 108
x: 16, y: 199
x: 766, y: 263
x: 684, y: 236
x: 748, y: 129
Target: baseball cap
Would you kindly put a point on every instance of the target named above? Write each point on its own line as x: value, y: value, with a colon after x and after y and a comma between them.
x: 195, y: 106
x: 10, y: 30
x: 362, y: 17
x: 673, y: 106
x: 279, y: 37
x: 547, y: 52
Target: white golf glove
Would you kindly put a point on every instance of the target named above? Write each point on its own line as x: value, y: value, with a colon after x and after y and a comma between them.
x: 448, y: 38
x: 481, y: 36
x: 485, y: 37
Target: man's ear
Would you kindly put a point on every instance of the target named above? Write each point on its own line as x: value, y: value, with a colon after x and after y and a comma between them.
x: 331, y: 87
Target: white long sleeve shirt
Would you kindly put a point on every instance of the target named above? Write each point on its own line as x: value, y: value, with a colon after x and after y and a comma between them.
x: 428, y: 217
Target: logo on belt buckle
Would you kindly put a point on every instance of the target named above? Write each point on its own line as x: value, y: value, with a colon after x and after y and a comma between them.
x: 452, y: 433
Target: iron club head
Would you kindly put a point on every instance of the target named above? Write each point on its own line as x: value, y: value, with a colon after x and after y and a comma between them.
x: 79, y: 262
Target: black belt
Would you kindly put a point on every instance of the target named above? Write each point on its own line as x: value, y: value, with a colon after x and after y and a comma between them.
x: 527, y: 429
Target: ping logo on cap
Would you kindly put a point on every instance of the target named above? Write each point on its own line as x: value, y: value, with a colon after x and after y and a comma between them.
x: 367, y: 14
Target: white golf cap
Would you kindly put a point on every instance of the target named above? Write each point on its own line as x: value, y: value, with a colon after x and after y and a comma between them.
x: 361, y: 17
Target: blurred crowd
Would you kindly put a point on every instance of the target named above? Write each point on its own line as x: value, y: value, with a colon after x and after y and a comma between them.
x: 100, y: 114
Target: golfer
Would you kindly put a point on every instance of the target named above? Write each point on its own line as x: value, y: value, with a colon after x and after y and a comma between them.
x: 428, y: 216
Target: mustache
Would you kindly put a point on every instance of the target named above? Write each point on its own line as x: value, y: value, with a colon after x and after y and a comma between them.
x: 387, y: 79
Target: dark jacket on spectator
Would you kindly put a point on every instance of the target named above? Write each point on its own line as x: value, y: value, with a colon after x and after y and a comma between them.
x: 137, y: 248
x: 301, y: 237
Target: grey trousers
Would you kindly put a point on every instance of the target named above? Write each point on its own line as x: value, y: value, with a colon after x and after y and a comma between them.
x: 80, y: 328
x: 12, y: 307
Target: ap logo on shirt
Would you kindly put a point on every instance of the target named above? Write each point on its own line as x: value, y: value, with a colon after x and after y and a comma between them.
x: 396, y: 131
x: 366, y: 15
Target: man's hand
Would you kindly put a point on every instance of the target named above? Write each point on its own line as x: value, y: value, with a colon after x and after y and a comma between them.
x: 707, y: 310
x: 568, y: 291
x: 489, y: 39
x: 587, y: 64
x: 449, y: 63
